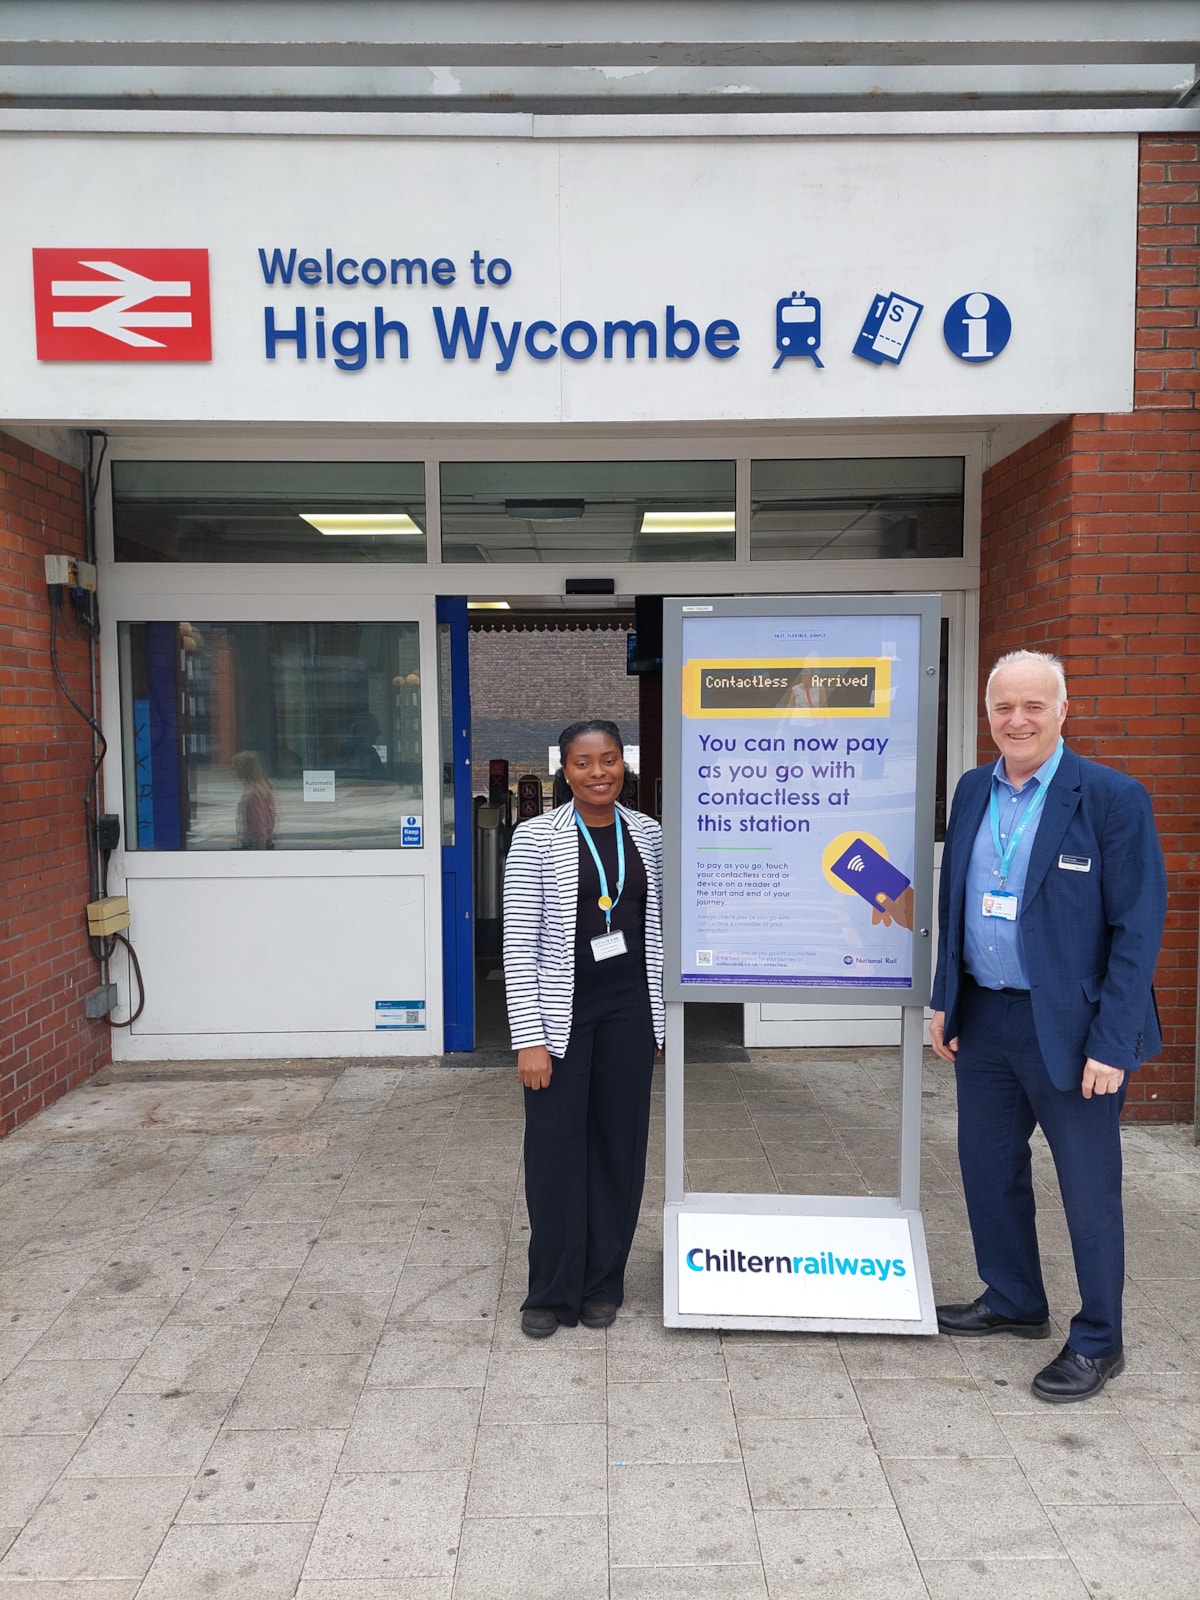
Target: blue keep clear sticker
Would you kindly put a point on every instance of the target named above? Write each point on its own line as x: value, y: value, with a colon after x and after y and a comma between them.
x: 410, y: 833
x: 399, y: 1014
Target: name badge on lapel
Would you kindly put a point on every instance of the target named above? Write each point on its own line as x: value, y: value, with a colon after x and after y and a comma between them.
x: 1075, y: 863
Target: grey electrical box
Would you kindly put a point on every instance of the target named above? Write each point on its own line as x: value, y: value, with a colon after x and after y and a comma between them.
x: 100, y: 1001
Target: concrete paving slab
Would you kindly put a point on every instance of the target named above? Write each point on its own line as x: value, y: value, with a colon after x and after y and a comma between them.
x: 767, y: 1381
x: 280, y: 1475
x: 143, y: 1435
x: 970, y: 1510
x: 333, y: 1324
x: 238, y: 1294
x: 442, y: 1355
x: 1072, y: 1455
x: 510, y: 1558
x: 409, y: 1430
x: 58, y: 1396
x: 389, y: 1525
x: 253, y: 1244
x: 829, y: 1555
x: 300, y: 1391
x: 447, y: 1293
x: 344, y: 1266
x: 371, y: 1222
x: 197, y: 1356
x: 796, y: 1463
x: 1011, y: 1578
x: 641, y: 1350
x: 30, y: 1465
x: 1131, y: 1552
x: 539, y: 1469
x: 257, y: 1105
x: 681, y: 1514
x: 95, y: 1528
x: 411, y: 1587
x: 91, y: 1328
x: 206, y: 1563
x: 742, y: 1582
x: 938, y: 1416
x: 671, y: 1422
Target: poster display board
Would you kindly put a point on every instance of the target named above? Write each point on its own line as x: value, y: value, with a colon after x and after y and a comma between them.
x: 804, y: 761
x: 799, y: 765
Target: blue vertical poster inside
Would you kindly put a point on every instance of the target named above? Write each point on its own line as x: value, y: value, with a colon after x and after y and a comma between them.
x: 798, y: 792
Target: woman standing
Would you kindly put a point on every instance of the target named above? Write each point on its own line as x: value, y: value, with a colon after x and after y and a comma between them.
x: 583, y: 966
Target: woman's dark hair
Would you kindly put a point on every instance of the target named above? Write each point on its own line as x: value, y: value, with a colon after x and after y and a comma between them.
x: 577, y: 729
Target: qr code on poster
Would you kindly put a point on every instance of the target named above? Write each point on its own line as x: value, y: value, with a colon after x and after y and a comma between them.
x: 704, y: 958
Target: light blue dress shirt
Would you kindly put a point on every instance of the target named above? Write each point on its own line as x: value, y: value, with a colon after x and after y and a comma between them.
x: 992, y: 949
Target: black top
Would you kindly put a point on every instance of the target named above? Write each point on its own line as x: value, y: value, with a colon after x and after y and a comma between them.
x: 629, y: 913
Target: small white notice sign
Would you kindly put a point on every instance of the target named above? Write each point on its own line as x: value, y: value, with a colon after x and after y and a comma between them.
x: 858, y: 1268
x: 320, y: 785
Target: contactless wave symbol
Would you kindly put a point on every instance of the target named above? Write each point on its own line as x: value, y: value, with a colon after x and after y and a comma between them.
x: 856, y: 864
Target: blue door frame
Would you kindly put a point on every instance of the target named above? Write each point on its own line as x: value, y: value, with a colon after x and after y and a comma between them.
x: 458, y: 912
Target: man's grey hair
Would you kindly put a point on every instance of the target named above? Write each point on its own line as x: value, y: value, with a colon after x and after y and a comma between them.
x: 1042, y: 658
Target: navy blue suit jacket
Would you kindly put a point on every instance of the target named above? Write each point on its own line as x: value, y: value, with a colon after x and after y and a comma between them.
x: 1091, y: 938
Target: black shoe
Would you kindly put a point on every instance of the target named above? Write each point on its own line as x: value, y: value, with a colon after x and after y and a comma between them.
x: 538, y: 1324
x: 977, y: 1320
x: 597, y: 1313
x: 1071, y: 1376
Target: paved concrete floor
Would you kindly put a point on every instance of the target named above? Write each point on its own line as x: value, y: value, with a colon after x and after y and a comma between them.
x: 258, y: 1338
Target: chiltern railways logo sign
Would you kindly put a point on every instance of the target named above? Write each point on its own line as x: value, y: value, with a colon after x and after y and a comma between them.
x: 122, y: 305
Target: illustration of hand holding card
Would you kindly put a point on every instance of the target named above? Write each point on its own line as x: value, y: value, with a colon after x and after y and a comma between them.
x: 884, y: 887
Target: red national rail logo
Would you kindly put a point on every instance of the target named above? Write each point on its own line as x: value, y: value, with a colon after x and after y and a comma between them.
x: 122, y: 305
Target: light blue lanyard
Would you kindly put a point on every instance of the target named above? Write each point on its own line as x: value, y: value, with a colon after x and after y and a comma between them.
x: 1006, y: 855
x: 607, y: 905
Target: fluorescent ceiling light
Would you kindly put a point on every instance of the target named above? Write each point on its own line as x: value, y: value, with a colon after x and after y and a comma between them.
x: 488, y: 605
x: 687, y: 522
x: 393, y: 523
x: 544, y: 510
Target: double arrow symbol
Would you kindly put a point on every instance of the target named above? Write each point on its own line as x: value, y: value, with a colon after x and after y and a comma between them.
x: 117, y: 317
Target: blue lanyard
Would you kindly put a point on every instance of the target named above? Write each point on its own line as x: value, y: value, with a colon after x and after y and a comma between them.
x: 1006, y: 855
x: 607, y: 905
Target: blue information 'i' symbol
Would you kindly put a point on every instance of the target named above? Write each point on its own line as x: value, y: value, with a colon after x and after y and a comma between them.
x: 977, y: 327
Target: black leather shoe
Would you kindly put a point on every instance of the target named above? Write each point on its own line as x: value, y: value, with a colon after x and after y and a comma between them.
x: 538, y: 1324
x: 977, y: 1320
x: 1071, y: 1376
x: 597, y: 1313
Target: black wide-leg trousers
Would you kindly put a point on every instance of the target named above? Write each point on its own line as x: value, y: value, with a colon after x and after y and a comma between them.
x: 585, y: 1147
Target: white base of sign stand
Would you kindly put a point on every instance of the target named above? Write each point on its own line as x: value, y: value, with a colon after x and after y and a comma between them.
x: 808, y: 1263
x: 804, y: 1263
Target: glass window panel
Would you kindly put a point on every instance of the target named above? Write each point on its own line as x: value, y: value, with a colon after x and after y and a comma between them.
x: 900, y: 508
x: 446, y: 732
x: 269, y: 511
x: 270, y: 735
x: 587, y: 511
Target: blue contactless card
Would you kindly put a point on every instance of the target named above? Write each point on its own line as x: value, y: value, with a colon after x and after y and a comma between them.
x: 866, y: 872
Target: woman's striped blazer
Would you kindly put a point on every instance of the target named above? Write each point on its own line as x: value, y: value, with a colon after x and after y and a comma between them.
x: 541, y: 887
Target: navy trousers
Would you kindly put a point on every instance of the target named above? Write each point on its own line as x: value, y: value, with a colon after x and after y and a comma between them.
x: 1003, y: 1092
x: 585, y: 1147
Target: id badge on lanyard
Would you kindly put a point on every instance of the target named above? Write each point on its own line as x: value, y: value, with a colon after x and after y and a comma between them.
x: 608, y: 944
x: 1000, y: 903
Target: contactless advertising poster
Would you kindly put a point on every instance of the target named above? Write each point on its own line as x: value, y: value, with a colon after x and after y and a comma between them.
x: 800, y: 784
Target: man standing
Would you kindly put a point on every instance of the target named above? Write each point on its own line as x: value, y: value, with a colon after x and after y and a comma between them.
x: 1053, y: 897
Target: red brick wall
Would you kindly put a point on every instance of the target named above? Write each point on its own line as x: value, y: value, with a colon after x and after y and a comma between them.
x: 45, y: 762
x: 1091, y: 548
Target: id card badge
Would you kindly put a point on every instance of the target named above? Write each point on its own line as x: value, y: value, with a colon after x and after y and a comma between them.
x: 1000, y: 904
x: 607, y: 945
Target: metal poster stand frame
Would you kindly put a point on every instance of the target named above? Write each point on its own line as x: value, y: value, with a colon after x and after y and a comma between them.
x: 905, y: 1205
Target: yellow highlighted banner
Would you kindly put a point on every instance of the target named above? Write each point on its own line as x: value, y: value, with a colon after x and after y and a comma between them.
x: 804, y: 686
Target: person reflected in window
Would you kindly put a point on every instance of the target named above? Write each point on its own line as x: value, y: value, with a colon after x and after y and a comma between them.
x: 256, y: 818
x: 360, y: 757
x: 583, y: 962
